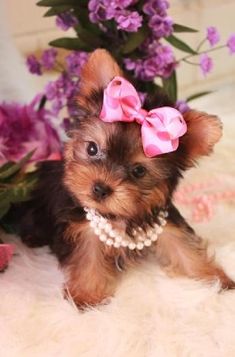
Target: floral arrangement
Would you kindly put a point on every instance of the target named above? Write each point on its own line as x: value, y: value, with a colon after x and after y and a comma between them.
x: 139, y: 34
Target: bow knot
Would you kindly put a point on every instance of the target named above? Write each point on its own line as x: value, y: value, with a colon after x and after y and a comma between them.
x: 160, y: 127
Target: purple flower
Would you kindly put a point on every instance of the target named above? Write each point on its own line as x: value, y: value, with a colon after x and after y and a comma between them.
x: 129, y: 64
x: 212, y: 35
x: 57, y: 105
x: 160, y: 62
x: 51, y: 90
x: 48, y: 58
x: 129, y: 21
x: 24, y: 128
x: 153, y: 7
x: 231, y: 44
x: 182, y: 106
x: 99, y: 11
x: 135, y: 65
x: 206, y: 64
x: 75, y: 61
x: 161, y: 26
x: 66, y: 20
x: 33, y: 65
x: 118, y: 4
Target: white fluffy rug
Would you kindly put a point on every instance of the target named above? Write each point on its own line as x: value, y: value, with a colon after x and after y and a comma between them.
x: 151, y: 315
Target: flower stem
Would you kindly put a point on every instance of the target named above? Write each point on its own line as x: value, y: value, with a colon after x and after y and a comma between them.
x: 201, y: 52
x: 200, y: 45
x: 189, y: 62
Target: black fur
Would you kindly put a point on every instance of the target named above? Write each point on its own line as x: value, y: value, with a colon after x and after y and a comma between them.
x: 50, y: 211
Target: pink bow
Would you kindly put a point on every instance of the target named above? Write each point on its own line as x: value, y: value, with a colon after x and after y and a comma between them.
x: 160, y: 127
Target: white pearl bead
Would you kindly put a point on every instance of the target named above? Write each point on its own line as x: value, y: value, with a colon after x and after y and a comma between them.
x: 97, y: 231
x: 103, y: 237
x: 93, y: 224
x: 109, y: 242
x: 162, y: 220
x: 112, y: 234
x: 101, y: 225
x: 140, y: 246
x: 107, y: 227
x: 89, y: 216
x: 159, y: 230
x: 124, y: 243
x: 147, y: 242
x: 154, y: 237
x: 149, y: 233
x: 118, y: 239
x: 131, y: 246
x: 116, y: 245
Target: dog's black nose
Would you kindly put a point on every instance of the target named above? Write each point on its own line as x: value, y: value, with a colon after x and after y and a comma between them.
x: 101, y: 191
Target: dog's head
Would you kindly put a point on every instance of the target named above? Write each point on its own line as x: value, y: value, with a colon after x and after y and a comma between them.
x: 105, y: 166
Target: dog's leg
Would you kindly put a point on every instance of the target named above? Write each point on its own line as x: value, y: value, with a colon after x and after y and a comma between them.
x: 181, y: 252
x: 90, y: 276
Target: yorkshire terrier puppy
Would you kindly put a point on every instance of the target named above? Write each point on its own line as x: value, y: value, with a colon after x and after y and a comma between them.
x: 108, y: 203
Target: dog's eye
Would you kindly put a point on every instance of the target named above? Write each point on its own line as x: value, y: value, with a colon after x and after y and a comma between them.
x: 138, y: 171
x: 92, y: 148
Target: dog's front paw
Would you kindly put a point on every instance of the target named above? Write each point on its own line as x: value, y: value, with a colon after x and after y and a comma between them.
x: 227, y: 283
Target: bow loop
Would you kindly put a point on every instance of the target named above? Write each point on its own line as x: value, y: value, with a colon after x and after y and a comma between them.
x: 160, y: 127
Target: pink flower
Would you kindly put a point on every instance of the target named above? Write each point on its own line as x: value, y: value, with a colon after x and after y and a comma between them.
x: 24, y: 128
x: 6, y: 252
x: 206, y: 64
x: 212, y: 35
x: 231, y: 44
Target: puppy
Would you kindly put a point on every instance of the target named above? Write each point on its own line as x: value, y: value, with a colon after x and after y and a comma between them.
x: 108, y: 203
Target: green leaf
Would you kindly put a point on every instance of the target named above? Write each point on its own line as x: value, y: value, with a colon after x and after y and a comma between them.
x: 3, y: 195
x: 181, y: 28
x: 170, y: 86
x: 177, y: 43
x: 57, y: 10
x: 198, y: 95
x: 52, y: 3
x: 15, y: 167
x: 87, y: 37
x: 70, y: 44
x: 134, y: 40
x: 6, y: 166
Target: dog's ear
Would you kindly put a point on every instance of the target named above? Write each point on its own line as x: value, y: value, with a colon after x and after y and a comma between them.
x: 98, y: 72
x: 203, y: 132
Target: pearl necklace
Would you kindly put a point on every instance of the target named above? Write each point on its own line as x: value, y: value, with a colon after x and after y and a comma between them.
x: 112, y: 237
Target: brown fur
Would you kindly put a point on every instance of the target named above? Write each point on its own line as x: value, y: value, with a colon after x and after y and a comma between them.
x: 182, y: 253
x: 90, y: 266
